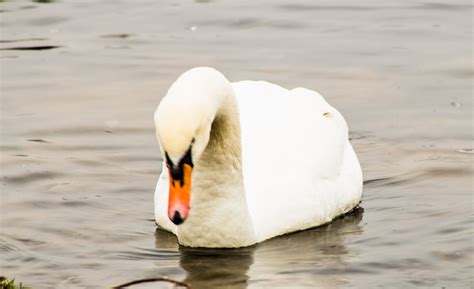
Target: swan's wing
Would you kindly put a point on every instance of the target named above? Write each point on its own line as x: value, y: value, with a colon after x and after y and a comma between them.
x: 294, y: 148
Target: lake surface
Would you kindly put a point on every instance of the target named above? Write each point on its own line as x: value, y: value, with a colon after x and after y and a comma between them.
x: 80, y: 81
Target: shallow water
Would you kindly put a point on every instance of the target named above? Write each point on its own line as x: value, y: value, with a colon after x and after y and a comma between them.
x: 79, y: 84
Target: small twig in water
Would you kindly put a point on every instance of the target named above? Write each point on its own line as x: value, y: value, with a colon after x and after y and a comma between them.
x: 160, y: 279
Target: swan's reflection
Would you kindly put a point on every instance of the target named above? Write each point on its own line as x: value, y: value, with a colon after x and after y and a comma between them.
x: 313, y: 259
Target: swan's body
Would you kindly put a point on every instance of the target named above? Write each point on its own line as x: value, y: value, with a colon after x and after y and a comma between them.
x: 269, y: 161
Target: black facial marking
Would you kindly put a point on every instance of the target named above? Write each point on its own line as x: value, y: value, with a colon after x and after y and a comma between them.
x: 176, y: 171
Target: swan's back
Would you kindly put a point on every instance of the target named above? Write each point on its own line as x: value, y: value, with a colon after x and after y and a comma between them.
x: 299, y: 168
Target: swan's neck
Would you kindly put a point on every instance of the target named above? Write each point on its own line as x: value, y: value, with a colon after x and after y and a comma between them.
x: 219, y: 214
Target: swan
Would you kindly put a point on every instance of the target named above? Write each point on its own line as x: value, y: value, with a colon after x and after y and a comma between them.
x: 247, y: 161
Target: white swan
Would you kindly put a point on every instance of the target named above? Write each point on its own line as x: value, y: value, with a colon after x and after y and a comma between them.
x: 260, y: 160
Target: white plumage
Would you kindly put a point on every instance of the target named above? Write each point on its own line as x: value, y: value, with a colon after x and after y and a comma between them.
x: 291, y: 166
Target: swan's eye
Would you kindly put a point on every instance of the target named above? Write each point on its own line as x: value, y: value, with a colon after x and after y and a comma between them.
x: 176, y: 170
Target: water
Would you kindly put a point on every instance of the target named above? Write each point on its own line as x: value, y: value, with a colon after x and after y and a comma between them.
x: 80, y: 81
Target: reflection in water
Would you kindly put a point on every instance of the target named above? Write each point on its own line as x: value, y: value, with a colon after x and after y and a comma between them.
x: 217, y: 268
x: 308, y: 258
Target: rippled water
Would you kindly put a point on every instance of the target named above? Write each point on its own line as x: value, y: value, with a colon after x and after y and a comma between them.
x: 79, y: 84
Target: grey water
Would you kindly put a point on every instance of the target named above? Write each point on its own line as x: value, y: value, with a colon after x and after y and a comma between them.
x: 80, y: 81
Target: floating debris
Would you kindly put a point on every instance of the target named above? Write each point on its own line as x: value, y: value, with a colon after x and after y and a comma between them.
x: 44, y: 1
x: 120, y: 35
x: 466, y: 151
x: 193, y: 28
x: 38, y: 140
x: 455, y: 104
x: 40, y: 47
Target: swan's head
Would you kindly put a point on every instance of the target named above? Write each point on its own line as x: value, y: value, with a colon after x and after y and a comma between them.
x: 183, y: 123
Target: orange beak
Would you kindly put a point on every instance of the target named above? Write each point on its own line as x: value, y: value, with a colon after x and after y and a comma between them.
x: 180, y: 196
